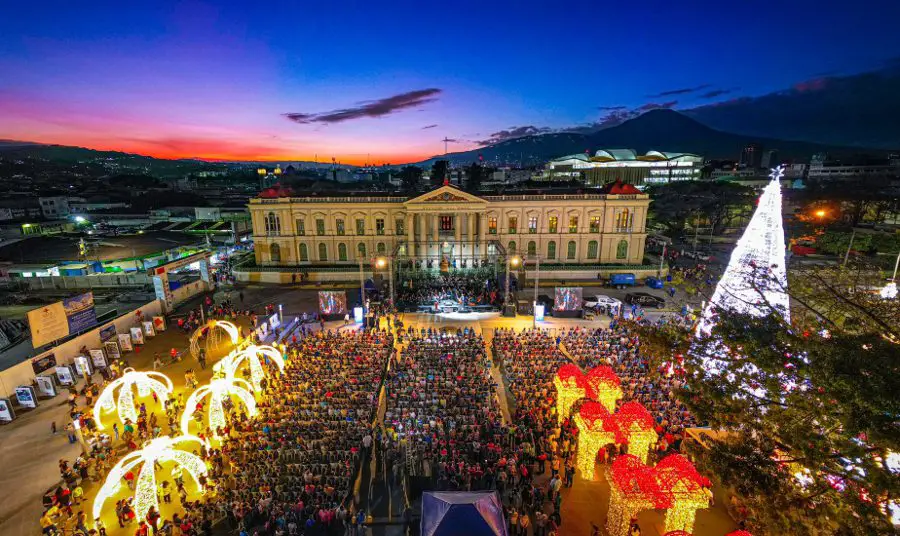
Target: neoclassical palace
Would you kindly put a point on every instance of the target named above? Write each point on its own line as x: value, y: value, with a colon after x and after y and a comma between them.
x: 448, y: 227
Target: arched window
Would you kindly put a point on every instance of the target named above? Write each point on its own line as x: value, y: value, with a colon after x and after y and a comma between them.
x: 380, y: 248
x: 511, y: 247
x: 532, y: 248
x: 551, y: 249
x: 323, y: 252
x: 361, y: 249
x: 273, y: 224
x: 592, y: 249
x: 622, y: 249
x: 570, y: 250
x: 342, y: 251
x: 275, y: 253
x: 304, y: 253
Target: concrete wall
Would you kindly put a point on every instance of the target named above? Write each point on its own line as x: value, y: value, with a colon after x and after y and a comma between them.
x: 88, y: 281
x: 23, y: 373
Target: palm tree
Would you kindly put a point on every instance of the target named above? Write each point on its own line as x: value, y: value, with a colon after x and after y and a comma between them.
x: 146, y: 383
x: 156, y: 451
x: 218, y: 391
x: 251, y: 355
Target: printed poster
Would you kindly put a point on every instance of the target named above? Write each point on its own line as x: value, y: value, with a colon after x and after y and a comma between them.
x: 148, y: 329
x: 26, y: 397
x: 125, y: 342
x: 159, y: 323
x: 64, y: 375
x: 6, y: 412
x: 98, y: 358
x: 112, y: 350
x: 82, y: 366
x: 137, y: 336
x: 45, y: 386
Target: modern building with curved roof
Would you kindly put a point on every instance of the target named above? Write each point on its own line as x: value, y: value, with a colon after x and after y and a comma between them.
x: 625, y: 165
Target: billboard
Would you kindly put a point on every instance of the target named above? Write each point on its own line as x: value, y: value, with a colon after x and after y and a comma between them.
x: 332, y: 302
x: 567, y: 299
x: 58, y: 320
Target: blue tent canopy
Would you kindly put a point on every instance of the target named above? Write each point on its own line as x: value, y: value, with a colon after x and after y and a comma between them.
x: 450, y: 513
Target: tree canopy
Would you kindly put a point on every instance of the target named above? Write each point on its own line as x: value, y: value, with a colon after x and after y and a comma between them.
x: 808, y: 410
x: 675, y: 204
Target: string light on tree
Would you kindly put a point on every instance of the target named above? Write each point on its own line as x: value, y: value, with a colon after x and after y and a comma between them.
x: 155, y: 452
x: 218, y: 391
x: 146, y: 383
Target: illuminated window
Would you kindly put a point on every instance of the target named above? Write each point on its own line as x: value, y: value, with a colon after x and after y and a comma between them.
x: 551, y: 249
x: 592, y: 249
x: 275, y: 252
x: 446, y: 223
x: 320, y: 227
x: 532, y: 224
x: 342, y: 251
x: 492, y: 225
x: 273, y: 224
x: 532, y: 248
x: 624, y: 220
x: 595, y: 224
x: 323, y: 252
x: 554, y: 224
x: 513, y: 223
x: 400, y: 226
x: 301, y: 227
x: 360, y: 226
x: 339, y: 227
x: 570, y: 250
x: 573, y: 224
x: 304, y: 253
x: 622, y: 249
x: 379, y: 226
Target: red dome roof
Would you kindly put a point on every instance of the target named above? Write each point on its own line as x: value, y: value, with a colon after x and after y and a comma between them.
x: 620, y: 188
x: 276, y: 191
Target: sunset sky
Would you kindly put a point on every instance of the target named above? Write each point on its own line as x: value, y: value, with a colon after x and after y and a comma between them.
x: 292, y: 80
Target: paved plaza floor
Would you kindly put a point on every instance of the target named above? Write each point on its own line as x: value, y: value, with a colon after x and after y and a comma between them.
x: 30, y: 452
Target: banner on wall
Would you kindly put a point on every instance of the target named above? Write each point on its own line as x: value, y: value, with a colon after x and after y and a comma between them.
x: 125, y: 342
x: 98, y: 358
x: 159, y: 323
x: 107, y: 333
x: 25, y: 397
x: 82, y: 365
x: 64, y: 375
x: 137, y: 336
x: 80, y: 312
x: 6, y: 412
x: 148, y: 329
x: 112, y: 350
x: 45, y: 386
x: 61, y: 319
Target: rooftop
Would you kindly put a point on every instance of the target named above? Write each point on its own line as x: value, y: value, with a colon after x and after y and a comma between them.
x: 65, y: 248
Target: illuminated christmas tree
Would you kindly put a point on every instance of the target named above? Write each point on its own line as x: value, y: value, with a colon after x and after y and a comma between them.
x: 755, y: 281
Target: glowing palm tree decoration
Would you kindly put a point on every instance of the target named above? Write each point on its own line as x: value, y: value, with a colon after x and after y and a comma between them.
x: 218, y: 391
x: 145, y: 382
x: 157, y: 451
x: 251, y: 355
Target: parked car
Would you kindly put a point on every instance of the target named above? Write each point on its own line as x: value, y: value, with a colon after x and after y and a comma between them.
x: 645, y: 300
x: 654, y: 282
x: 601, y: 301
x: 621, y: 280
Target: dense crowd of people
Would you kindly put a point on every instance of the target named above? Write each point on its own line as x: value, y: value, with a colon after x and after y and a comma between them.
x: 294, y: 463
x: 468, y: 290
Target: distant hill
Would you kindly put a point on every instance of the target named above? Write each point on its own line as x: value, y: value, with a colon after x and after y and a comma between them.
x: 662, y: 130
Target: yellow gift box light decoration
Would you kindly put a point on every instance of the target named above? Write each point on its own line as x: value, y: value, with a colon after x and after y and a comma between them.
x: 571, y: 386
x: 685, y: 487
x: 635, y: 426
x: 594, y: 433
x: 633, y: 487
x: 605, y: 386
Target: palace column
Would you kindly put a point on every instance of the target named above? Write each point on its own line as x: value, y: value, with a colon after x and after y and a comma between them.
x: 423, y: 235
x: 457, y: 236
x: 410, y: 236
x: 482, y: 234
x: 437, y: 229
x: 470, y: 230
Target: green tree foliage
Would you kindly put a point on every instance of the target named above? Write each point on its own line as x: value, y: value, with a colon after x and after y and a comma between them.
x: 475, y: 175
x: 868, y: 199
x: 676, y: 204
x: 440, y: 171
x: 816, y: 397
x: 411, y: 177
x: 836, y: 242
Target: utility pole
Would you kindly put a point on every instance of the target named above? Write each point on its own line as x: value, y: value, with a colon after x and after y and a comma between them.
x: 362, y: 286
x: 662, y: 259
x: 537, y: 277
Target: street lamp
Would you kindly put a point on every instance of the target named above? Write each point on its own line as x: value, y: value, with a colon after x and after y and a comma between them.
x: 537, y: 277
x: 889, y: 292
x: 514, y: 261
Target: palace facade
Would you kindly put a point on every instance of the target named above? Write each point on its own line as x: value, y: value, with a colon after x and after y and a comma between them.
x: 447, y: 227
